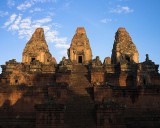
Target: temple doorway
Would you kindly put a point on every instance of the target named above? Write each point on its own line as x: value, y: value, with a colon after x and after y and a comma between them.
x: 127, y: 58
x: 80, y: 59
x: 16, y: 82
x: 32, y: 59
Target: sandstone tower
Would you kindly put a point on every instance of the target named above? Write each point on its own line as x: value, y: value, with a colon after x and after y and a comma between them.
x: 37, y: 49
x: 124, y: 49
x: 80, y: 51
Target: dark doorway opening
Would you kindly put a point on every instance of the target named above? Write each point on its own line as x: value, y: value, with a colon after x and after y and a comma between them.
x: 127, y: 58
x: 16, y: 81
x: 80, y: 59
x: 33, y: 59
x: 144, y: 82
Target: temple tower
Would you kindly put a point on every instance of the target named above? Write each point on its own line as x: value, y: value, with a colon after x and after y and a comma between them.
x: 80, y: 51
x: 37, y: 49
x: 124, y: 50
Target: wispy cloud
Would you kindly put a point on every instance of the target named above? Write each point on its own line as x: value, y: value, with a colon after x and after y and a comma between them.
x: 29, y: 3
x: 25, y: 27
x: 36, y: 10
x: 121, y: 9
x: 15, y: 25
x: 2, y: 13
x: 63, y: 45
x: 43, y: 20
x: 25, y: 5
x: 10, y: 20
x: 105, y: 20
x: 10, y: 3
x: 25, y: 23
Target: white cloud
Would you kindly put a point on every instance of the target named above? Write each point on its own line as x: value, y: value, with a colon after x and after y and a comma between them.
x: 29, y: 3
x: 2, y: 13
x: 51, y: 36
x: 105, y: 21
x: 25, y: 24
x: 26, y: 20
x: 44, y: 20
x: 121, y: 9
x: 25, y: 33
x: 11, y: 20
x: 66, y: 46
x: 46, y: 28
x: 25, y: 5
x: 59, y: 41
x: 10, y: 3
x: 15, y: 25
x: 36, y: 10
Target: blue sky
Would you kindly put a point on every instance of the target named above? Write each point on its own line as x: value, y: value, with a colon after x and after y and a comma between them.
x: 60, y: 18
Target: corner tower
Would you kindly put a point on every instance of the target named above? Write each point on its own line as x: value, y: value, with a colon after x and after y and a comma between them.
x: 80, y: 51
x: 37, y: 49
x: 124, y: 50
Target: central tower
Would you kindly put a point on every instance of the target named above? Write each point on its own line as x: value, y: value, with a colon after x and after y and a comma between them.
x: 80, y: 51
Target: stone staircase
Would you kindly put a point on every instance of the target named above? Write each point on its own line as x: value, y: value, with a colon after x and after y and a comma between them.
x: 80, y: 76
x: 80, y: 106
x: 80, y: 112
x: 80, y: 69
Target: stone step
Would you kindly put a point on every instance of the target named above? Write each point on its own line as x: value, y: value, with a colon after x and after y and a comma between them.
x: 79, y: 68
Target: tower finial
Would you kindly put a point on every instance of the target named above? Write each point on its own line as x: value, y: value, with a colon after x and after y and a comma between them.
x: 147, y: 57
x: 80, y: 30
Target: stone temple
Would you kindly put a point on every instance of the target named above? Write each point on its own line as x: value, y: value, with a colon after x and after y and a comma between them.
x: 80, y: 91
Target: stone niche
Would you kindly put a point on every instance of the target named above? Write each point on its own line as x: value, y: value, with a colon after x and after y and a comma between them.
x: 124, y: 50
x: 37, y: 49
x: 80, y: 51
